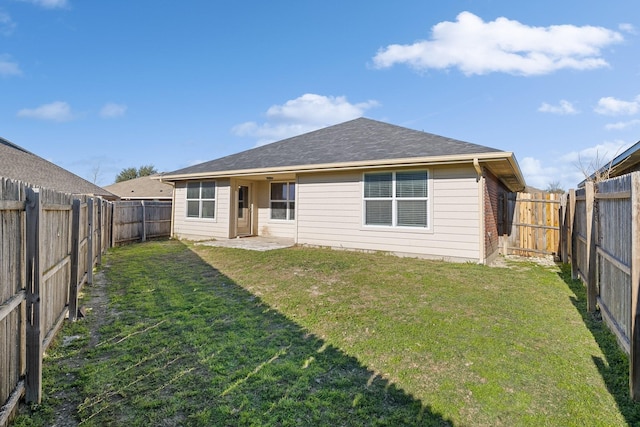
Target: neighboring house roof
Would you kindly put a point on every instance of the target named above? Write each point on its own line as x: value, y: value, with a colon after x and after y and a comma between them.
x: 626, y: 162
x: 143, y: 188
x: 357, y: 143
x: 19, y: 164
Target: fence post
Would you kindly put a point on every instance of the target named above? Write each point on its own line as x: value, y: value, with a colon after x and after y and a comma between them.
x: 591, y: 246
x: 90, y: 202
x: 562, y: 229
x: 144, y: 223
x: 634, y: 344
x: 99, y: 236
x: 113, y: 224
x: 571, y: 234
x: 505, y: 223
x: 33, y: 381
x: 75, y: 257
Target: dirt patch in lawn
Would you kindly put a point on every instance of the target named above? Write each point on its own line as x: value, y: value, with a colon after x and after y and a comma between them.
x: 95, y: 304
x: 515, y: 261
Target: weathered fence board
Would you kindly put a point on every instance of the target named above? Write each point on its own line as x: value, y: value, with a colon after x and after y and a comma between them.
x: 614, y: 253
x: 34, y: 307
x: 12, y: 296
x: 140, y: 220
x: 634, y: 260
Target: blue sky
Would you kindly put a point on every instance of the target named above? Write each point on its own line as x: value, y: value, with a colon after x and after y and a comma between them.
x: 99, y: 86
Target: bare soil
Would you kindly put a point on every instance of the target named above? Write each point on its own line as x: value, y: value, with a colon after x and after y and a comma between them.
x: 94, y: 306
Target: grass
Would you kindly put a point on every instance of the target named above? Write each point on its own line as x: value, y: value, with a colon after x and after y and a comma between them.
x: 196, y: 335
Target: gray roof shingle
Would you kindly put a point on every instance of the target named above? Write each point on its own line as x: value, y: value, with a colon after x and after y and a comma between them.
x: 145, y: 187
x: 19, y: 164
x: 353, y: 141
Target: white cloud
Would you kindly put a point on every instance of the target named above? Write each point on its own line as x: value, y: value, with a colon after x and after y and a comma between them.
x: 6, y: 24
x: 627, y: 28
x: 591, y: 159
x: 622, y: 125
x: 503, y: 45
x: 536, y: 175
x: 49, y: 4
x: 597, y: 154
x: 56, y: 111
x: 8, y: 67
x: 611, y: 106
x: 303, y: 114
x: 564, y: 108
x: 112, y: 110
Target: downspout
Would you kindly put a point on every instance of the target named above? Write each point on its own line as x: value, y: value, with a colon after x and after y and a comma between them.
x: 296, y: 211
x: 478, y: 168
x: 173, y: 207
x: 476, y: 164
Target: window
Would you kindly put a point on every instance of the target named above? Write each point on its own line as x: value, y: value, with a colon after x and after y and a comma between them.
x: 242, y: 200
x: 283, y: 200
x: 396, y: 199
x: 201, y: 199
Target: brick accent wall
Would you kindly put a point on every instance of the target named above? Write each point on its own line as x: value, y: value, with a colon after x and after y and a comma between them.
x: 493, y: 189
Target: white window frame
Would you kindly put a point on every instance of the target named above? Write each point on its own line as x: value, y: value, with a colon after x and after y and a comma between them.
x: 288, y: 201
x: 395, y: 199
x: 201, y: 200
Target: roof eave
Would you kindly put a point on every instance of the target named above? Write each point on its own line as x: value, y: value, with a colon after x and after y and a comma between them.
x: 515, y: 182
x: 385, y: 163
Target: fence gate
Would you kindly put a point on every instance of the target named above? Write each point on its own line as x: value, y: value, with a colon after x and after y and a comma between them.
x: 529, y: 224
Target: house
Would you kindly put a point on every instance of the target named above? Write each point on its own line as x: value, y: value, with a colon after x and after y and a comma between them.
x: 361, y: 185
x: 19, y: 164
x: 142, y: 188
x: 624, y: 163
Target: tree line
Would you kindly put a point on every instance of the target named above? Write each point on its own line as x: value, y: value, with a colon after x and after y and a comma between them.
x: 131, y: 173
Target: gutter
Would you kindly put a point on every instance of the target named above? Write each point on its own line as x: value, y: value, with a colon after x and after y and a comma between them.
x: 331, y: 167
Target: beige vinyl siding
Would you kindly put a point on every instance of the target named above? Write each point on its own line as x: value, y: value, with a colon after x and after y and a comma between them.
x: 266, y: 226
x: 330, y: 213
x: 197, y: 228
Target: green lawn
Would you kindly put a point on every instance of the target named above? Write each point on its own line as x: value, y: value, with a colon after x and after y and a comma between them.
x: 196, y: 335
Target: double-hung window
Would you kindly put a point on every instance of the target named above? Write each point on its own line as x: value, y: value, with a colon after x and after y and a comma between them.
x: 397, y: 199
x: 201, y: 199
x: 283, y: 200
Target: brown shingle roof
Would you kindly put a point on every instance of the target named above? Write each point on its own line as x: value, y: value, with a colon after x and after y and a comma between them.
x: 145, y: 187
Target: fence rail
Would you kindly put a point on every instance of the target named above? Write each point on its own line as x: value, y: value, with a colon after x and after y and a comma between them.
x: 50, y: 242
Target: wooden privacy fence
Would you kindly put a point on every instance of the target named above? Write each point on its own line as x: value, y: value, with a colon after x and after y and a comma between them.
x: 50, y: 243
x: 603, y: 239
x: 140, y: 220
x: 529, y: 224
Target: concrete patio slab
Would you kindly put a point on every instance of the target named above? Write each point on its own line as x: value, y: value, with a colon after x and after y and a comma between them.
x: 253, y: 243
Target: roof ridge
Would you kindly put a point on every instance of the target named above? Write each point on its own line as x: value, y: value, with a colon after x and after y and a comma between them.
x: 356, y: 140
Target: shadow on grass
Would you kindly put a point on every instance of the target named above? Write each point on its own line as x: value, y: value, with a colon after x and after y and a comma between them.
x: 615, y: 369
x: 185, y: 345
